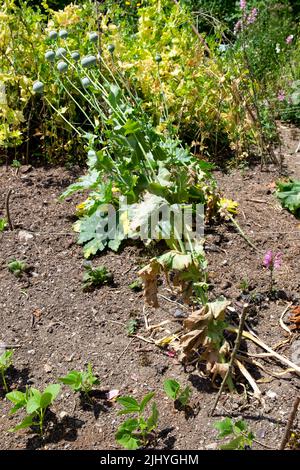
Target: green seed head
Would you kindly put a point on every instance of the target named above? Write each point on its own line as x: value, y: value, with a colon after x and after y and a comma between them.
x: 75, y: 55
x: 50, y: 56
x: 62, y: 66
x: 88, y: 61
x: 61, y: 52
x: 85, y: 81
x: 111, y: 48
x: 38, y: 87
x: 53, y: 35
x: 93, y: 36
x: 63, y: 34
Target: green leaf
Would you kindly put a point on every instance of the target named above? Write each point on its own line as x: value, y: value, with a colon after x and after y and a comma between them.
x: 46, y: 400
x: 53, y: 389
x: 235, y: 444
x: 26, y: 423
x: 129, y: 403
x: 146, y: 400
x: 127, y: 440
x: 73, y: 379
x: 225, y: 427
x: 289, y: 196
x: 18, y: 398
x: 184, y: 396
x: 153, y: 420
x: 89, y: 181
x: 33, y: 404
x: 171, y: 387
x: 5, y: 358
x: 240, y: 426
x: 129, y: 425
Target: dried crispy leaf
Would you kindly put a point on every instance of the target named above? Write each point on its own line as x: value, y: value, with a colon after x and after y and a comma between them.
x: 196, y: 333
x: 295, y: 318
x: 149, y: 276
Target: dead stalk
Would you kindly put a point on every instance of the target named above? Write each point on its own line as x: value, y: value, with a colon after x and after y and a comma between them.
x: 233, y: 355
x: 287, y: 433
x: 10, y: 224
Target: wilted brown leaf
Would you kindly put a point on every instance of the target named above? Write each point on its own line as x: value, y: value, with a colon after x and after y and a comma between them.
x: 295, y: 318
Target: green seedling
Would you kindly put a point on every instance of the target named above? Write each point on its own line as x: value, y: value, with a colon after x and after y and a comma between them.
x: 244, y: 285
x: 241, y: 439
x: 3, y: 224
x: 135, y: 432
x: 82, y: 382
x: 35, y: 403
x: 132, y: 326
x: 136, y: 286
x: 176, y: 393
x: 17, y: 267
x: 16, y: 164
x: 95, y: 277
x: 5, y: 363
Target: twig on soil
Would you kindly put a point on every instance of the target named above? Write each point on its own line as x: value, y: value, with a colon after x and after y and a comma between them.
x: 287, y: 433
x: 124, y: 351
x: 233, y: 355
x: 243, y: 234
x: 282, y: 324
x: 259, y: 201
x: 173, y: 301
x: 151, y: 341
x: 260, y: 343
x: 145, y: 318
x: 10, y: 224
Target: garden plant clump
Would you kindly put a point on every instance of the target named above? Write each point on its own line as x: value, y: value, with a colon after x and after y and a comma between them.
x: 149, y: 224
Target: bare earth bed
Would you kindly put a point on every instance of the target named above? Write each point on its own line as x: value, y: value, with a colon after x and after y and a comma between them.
x: 58, y: 327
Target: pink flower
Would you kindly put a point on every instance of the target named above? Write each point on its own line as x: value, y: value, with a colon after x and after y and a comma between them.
x: 243, y: 4
x: 281, y: 95
x: 268, y: 259
x: 277, y: 260
x: 252, y: 16
x: 238, y: 27
x: 289, y: 39
x: 272, y: 261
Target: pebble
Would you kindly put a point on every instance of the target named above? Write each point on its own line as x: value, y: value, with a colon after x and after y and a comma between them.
x: 272, y: 395
x: 47, y: 368
x: 179, y: 313
x: 212, y: 446
x: 62, y: 414
x: 25, y: 236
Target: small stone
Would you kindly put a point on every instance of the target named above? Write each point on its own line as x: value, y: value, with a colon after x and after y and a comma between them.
x: 272, y: 395
x: 63, y: 414
x: 24, y: 236
x: 31, y: 351
x: 212, y: 446
x: 47, y: 368
x: 179, y: 313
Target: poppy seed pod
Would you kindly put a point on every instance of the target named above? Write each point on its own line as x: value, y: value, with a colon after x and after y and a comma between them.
x: 62, y: 66
x: 93, y: 37
x: 38, y: 87
x: 50, y: 56
x: 88, y: 61
x: 92, y: 154
x: 111, y: 48
x: 61, y: 52
x: 63, y: 33
x: 75, y: 55
x: 158, y: 58
x: 85, y: 81
x: 53, y: 35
